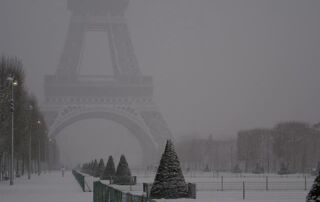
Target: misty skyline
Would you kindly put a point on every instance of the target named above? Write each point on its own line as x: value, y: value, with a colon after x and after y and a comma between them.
x: 218, y: 66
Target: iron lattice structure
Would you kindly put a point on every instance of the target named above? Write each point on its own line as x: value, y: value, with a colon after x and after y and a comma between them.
x: 126, y: 97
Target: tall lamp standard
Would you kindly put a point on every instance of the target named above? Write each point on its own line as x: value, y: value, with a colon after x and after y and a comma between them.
x: 30, y: 108
x: 49, y: 154
x: 45, y: 149
x: 13, y: 83
x: 39, y: 155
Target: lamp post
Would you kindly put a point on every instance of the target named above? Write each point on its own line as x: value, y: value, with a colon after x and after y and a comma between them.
x: 45, y: 150
x: 49, y: 153
x: 12, y: 83
x: 30, y: 108
x: 39, y: 155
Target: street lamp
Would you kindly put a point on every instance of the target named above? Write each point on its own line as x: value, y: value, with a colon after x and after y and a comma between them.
x: 13, y: 83
x: 49, y: 153
x: 39, y: 156
x: 45, y: 149
x: 30, y: 108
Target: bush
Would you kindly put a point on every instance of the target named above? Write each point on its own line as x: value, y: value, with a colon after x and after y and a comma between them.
x: 123, y: 167
x: 123, y: 174
x: 109, y: 171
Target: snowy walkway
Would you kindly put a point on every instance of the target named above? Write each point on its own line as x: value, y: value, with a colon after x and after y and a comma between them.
x: 44, y: 188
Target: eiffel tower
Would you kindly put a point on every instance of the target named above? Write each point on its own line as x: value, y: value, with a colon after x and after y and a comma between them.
x: 126, y: 97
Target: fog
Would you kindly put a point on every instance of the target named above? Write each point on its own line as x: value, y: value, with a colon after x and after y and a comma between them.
x: 218, y: 66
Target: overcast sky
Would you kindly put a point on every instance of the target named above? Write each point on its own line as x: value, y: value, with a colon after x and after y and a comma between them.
x: 219, y: 65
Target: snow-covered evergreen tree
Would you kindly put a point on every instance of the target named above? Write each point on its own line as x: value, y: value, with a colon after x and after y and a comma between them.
x: 283, y: 169
x: 95, y: 167
x: 123, y: 167
x: 100, y: 168
x: 90, y: 168
x: 169, y: 182
x: 314, y: 194
x: 110, y: 170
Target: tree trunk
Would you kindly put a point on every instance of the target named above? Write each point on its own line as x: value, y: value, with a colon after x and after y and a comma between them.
x: 23, y: 165
x: 1, y: 167
x: 17, y: 167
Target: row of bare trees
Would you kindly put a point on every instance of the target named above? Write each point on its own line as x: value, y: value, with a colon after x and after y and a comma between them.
x: 288, y: 146
x: 31, y: 143
x: 206, y: 154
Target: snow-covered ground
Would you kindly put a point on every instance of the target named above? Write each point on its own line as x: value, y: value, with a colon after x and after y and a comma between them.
x: 297, y: 196
x: 227, y: 182
x: 285, y: 188
x: 54, y: 188
x: 50, y: 187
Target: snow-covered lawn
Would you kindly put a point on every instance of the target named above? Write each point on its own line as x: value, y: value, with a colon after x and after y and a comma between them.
x: 289, y: 188
x: 287, y: 196
x: 50, y: 187
x: 54, y: 188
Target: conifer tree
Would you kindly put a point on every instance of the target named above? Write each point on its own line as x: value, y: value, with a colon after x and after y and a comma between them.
x: 314, y: 194
x: 95, y: 168
x: 100, y: 169
x: 169, y: 182
x: 90, y: 170
x: 110, y: 170
x: 84, y: 168
x: 123, y: 167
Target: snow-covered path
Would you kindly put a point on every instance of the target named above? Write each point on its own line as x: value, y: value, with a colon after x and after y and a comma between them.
x: 50, y: 187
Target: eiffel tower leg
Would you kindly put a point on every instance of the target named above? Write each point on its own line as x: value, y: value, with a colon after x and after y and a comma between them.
x: 71, y: 55
x: 158, y: 129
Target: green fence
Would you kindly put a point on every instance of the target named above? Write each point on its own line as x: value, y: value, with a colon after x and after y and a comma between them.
x: 105, y: 193
x: 80, y: 178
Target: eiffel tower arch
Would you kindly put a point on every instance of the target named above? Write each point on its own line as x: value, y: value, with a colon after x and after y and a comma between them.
x: 126, y: 97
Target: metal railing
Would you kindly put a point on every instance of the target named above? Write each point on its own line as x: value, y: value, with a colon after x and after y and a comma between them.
x: 80, y: 179
x: 106, y: 193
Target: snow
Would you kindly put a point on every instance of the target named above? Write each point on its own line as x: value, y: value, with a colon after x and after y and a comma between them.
x: 284, y: 188
x: 296, y: 196
x: 231, y: 182
x: 51, y: 187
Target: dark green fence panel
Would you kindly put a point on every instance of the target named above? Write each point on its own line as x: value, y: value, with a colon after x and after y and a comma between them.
x: 105, y: 193
x: 80, y: 179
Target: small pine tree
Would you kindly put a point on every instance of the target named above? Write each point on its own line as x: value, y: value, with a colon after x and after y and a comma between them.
x: 90, y: 168
x: 283, y: 169
x: 110, y: 170
x: 95, y: 167
x: 169, y: 182
x: 314, y: 194
x: 84, y: 168
x: 100, y: 168
x: 258, y: 169
x: 236, y: 169
x: 123, y: 167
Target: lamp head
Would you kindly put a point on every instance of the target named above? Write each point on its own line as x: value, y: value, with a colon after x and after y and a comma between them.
x: 15, y: 83
x: 12, y: 80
